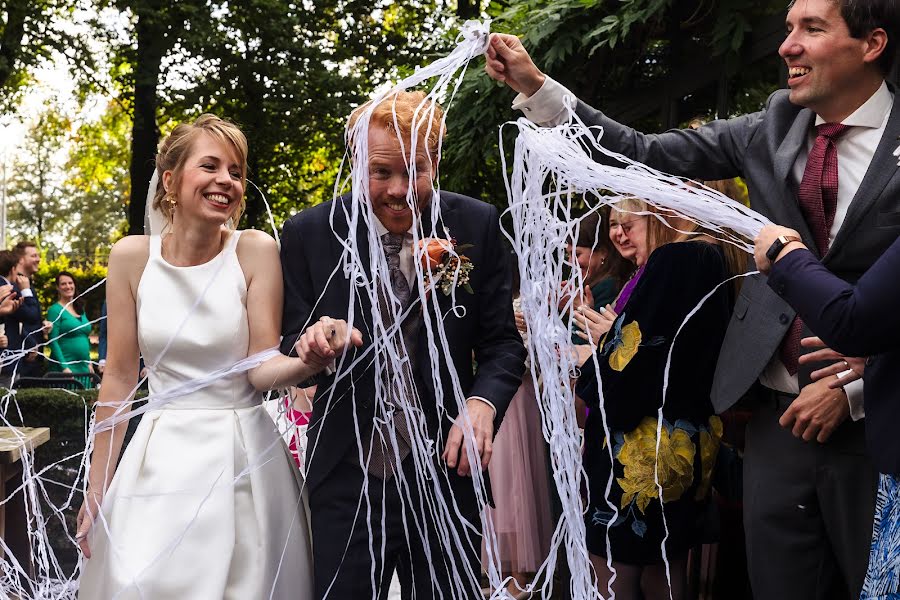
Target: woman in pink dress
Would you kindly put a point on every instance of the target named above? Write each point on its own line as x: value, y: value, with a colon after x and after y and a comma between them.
x: 520, y: 485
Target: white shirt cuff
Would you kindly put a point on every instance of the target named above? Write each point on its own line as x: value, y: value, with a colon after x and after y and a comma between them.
x: 854, y: 391
x: 26, y: 293
x: 486, y: 401
x: 546, y: 106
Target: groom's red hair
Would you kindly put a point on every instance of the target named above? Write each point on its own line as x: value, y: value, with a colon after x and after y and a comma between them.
x: 402, y: 113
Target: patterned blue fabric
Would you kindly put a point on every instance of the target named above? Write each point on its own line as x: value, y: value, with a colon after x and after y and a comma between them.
x: 883, y: 576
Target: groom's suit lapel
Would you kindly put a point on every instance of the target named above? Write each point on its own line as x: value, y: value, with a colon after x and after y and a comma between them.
x: 445, y: 220
x: 341, y: 209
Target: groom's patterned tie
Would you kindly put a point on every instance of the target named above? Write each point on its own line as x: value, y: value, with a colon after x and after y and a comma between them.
x: 393, y: 243
x: 382, y: 461
x: 818, y: 202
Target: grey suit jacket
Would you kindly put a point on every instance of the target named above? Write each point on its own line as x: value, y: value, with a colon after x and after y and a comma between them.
x: 762, y: 148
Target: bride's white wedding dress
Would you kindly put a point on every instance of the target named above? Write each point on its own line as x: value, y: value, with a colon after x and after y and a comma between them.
x: 206, y: 501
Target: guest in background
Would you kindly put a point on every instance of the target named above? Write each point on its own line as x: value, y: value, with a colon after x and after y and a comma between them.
x: 291, y: 414
x: 27, y: 310
x: 593, y: 317
x: 10, y: 299
x: 70, y: 348
x: 9, y: 303
x: 856, y: 320
x: 632, y: 360
x: 518, y: 469
x: 603, y: 269
x: 33, y: 328
x: 594, y: 322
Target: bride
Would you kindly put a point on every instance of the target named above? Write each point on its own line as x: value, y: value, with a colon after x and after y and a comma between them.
x: 205, y: 502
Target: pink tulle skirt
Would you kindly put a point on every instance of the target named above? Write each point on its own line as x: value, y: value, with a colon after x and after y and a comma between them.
x: 519, y: 481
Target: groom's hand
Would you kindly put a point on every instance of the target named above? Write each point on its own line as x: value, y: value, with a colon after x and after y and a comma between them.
x: 323, y: 341
x: 481, y: 417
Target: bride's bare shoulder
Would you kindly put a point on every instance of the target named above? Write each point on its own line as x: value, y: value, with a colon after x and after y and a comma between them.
x: 130, y: 253
x: 256, y: 247
x: 256, y: 240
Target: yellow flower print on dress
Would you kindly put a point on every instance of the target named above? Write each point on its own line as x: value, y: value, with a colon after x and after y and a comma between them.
x: 675, y: 464
x: 624, y: 342
x: 709, y: 449
x: 627, y: 343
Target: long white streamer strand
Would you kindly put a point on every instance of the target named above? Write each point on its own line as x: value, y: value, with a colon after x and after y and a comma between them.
x: 472, y: 42
x: 433, y: 511
x: 538, y: 239
x: 551, y: 167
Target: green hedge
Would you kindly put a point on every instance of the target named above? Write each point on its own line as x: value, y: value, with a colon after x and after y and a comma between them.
x: 66, y: 414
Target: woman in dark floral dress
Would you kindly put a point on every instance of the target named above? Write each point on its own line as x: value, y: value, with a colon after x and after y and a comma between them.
x: 629, y: 523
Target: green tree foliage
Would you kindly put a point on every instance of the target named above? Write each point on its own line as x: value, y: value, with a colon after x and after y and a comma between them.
x: 36, y: 207
x: 288, y: 72
x: 97, y: 183
x: 615, y: 56
x: 158, y: 25
x: 31, y: 33
x: 69, y: 188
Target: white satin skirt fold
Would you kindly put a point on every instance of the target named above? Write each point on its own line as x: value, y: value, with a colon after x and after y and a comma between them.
x: 205, y: 503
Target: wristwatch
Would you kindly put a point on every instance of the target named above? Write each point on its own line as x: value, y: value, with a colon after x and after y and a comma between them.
x: 778, y: 245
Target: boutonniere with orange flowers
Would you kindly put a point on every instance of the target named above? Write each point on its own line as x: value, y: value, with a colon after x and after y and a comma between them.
x: 447, y: 267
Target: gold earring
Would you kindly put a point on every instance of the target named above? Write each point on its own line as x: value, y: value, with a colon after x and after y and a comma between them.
x: 171, y: 199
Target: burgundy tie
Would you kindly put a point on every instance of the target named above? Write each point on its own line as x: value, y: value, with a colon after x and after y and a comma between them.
x: 818, y: 201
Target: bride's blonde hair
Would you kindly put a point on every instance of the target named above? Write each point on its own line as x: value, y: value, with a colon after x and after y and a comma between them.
x: 175, y: 149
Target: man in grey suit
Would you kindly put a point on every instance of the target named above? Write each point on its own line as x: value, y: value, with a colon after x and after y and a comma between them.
x: 808, y: 488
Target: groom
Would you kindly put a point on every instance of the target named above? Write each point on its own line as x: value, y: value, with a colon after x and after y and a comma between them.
x: 357, y: 550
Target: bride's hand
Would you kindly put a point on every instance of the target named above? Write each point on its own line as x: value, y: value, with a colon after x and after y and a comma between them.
x: 323, y: 341
x: 86, y: 517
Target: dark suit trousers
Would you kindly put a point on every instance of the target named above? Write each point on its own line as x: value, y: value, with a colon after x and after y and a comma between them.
x: 808, y: 509
x: 341, y: 542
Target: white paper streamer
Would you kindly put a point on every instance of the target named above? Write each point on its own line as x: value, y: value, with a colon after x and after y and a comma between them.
x: 552, y: 168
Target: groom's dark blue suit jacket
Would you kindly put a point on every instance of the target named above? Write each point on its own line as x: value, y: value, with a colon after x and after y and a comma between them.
x: 315, y: 286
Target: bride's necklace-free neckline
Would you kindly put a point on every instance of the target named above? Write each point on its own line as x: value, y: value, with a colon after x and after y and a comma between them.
x: 167, y: 256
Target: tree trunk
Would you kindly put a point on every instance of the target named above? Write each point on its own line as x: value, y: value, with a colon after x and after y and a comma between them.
x: 468, y: 9
x: 254, y: 213
x: 152, y: 44
x: 253, y: 123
